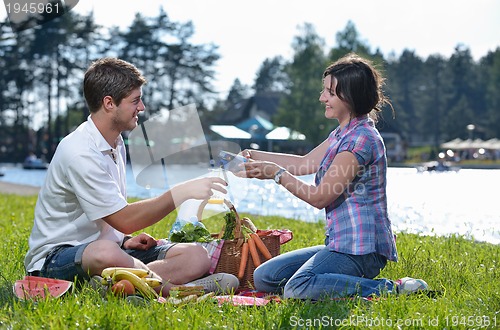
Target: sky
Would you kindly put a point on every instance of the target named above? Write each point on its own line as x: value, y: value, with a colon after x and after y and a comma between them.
x: 248, y: 32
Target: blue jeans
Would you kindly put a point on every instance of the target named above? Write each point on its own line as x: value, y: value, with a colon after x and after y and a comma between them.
x: 316, y: 272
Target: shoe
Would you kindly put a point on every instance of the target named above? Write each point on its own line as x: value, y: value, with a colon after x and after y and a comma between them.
x: 217, y: 283
x: 407, y: 285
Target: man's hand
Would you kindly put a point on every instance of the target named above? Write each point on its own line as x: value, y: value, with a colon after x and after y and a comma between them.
x: 142, y: 241
x: 197, y: 189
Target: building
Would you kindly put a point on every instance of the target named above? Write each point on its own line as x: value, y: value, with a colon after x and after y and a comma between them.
x: 249, y: 124
x: 264, y: 105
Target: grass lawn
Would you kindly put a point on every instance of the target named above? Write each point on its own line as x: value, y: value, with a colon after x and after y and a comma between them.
x: 466, y: 273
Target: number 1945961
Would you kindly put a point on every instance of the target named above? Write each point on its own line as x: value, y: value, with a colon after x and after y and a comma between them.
x: 32, y: 8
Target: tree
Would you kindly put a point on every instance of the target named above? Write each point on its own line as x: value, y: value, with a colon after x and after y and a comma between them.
x: 15, y: 83
x: 86, y: 43
x: 17, y: 76
x: 404, y: 89
x: 237, y: 93
x: 189, y: 68
x: 348, y: 41
x: 178, y: 71
x: 271, y: 76
x: 463, y: 103
x: 490, y: 76
x: 434, y: 95
x: 45, y: 55
x: 55, y: 55
x: 300, y: 109
x: 140, y: 45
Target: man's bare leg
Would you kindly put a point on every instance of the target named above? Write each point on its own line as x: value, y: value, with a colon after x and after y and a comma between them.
x: 183, y: 263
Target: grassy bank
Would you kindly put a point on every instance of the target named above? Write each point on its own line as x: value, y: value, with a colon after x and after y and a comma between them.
x: 467, y: 274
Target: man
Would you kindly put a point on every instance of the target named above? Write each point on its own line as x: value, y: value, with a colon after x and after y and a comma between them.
x: 82, y: 215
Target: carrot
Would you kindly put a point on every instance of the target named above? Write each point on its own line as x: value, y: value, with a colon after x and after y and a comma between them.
x: 253, y: 252
x: 244, y: 260
x: 261, y: 246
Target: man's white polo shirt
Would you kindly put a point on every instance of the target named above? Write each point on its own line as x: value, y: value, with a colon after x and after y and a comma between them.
x: 85, y: 182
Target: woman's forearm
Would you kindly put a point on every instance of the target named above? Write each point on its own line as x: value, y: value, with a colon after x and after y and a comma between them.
x: 292, y: 163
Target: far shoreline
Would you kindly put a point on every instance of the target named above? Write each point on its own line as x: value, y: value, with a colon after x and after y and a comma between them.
x: 475, y: 166
x: 29, y: 190
x: 18, y: 189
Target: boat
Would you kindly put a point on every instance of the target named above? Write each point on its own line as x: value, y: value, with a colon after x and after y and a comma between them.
x: 438, y: 166
x: 32, y: 163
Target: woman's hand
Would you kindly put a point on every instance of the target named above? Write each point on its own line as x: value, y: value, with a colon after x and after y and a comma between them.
x: 259, y: 169
x: 142, y: 241
x: 247, y: 153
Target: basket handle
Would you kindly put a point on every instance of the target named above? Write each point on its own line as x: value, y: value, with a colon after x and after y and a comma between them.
x: 237, y: 228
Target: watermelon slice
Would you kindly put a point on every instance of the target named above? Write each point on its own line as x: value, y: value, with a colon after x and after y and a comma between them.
x: 34, y: 287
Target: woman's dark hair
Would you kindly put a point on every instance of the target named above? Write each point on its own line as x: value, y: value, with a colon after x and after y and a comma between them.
x: 359, y: 84
x: 110, y: 77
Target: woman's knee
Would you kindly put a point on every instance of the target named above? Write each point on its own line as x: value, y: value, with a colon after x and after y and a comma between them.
x: 261, y: 276
x: 297, y: 285
x: 268, y: 278
x: 259, y: 279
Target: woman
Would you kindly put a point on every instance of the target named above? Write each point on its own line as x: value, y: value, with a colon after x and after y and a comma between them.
x: 350, y: 184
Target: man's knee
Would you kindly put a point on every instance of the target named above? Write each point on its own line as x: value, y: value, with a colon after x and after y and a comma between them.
x: 194, y: 255
x: 101, y: 254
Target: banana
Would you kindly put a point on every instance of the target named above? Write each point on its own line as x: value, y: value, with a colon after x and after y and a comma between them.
x: 139, y: 284
x: 152, y: 282
x: 108, y: 272
x: 137, y: 276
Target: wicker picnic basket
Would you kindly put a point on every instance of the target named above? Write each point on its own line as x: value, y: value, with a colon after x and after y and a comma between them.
x: 230, y: 257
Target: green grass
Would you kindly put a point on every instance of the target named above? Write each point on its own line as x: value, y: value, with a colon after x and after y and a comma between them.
x: 466, y: 272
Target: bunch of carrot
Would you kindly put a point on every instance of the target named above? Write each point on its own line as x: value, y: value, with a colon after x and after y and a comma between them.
x: 252, y: 245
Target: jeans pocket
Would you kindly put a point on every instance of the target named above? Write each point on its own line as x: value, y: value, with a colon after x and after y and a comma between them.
x: 59, y: 264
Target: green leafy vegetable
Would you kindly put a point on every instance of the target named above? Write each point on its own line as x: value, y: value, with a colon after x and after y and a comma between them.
x: 191, y: 233
x: 230, y: 225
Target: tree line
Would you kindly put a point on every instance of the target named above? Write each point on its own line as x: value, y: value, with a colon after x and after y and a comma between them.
x: 41, y: 97
x: 434, y: 99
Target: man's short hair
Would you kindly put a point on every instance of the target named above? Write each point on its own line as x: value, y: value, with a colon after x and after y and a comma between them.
x: 110, y: 77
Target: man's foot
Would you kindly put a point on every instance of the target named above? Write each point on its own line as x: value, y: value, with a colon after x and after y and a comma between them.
x: 218, y: 283
x: 407, y: 285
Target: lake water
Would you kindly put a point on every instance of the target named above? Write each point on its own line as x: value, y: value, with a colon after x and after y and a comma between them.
x: 464, y: 203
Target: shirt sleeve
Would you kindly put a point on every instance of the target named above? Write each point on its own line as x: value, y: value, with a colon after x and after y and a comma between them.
x: 360, y: 145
